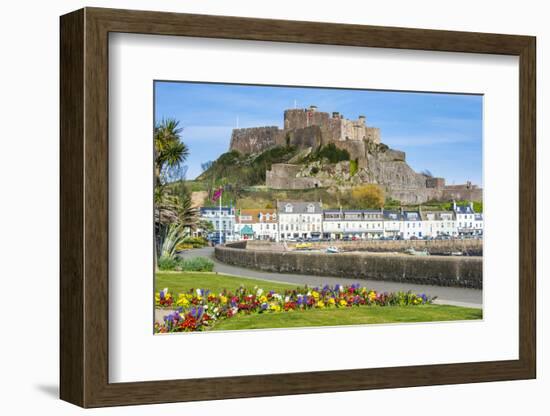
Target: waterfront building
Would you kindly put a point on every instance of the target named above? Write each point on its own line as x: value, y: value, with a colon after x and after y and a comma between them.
x: 353, y: 224
x: 258, y: 224
x: 465, y: 218
x: 438, y: 223
x: 478, y: 224
x: 298, y: 219
x: 393, y: 224
x: 223, y: 221
x: 412, y: 225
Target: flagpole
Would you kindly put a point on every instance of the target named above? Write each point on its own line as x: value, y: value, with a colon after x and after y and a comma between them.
x: 220, y: 219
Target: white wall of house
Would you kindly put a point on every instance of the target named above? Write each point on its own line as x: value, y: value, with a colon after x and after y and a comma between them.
x: 299, y: 225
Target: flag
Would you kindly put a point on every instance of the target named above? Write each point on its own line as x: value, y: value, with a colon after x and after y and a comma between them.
x: 217, y: 194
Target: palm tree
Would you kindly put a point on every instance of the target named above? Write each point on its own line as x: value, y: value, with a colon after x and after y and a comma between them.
x: 175, y: 219
x: 174, y: 216
x: 170, y: 151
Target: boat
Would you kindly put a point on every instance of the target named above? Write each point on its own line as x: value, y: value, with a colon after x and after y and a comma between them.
x: 414, y: 252
x: 333, y: 249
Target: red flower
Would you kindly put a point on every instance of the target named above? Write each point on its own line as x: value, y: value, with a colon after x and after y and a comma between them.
x: 289, y: 305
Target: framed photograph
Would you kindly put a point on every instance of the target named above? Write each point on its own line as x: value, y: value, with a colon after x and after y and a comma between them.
x: 255, y: 207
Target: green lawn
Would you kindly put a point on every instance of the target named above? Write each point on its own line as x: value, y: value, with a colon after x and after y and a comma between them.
x: 178, y: 282
x: 350, y: 316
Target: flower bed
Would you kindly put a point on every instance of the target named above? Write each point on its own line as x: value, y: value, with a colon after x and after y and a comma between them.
x: 198, y: 310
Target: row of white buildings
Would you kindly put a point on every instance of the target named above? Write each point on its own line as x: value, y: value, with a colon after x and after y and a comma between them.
x: 307, y: 220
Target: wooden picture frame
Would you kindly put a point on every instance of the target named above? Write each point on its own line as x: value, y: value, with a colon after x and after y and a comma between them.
x: 84, y: 207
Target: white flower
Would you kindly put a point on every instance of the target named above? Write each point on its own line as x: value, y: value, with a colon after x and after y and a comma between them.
x: 287, y: 299
x: 259, y: 292
x: 199, y: 293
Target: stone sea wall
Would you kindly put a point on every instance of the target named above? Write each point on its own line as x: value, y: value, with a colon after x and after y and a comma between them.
x: 470, y: 247
x: 432, y: 270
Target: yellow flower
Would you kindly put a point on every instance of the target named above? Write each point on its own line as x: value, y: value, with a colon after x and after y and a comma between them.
x: 320, y: 304
x: 331, y: 301
x: 263, y: 299
x: 182, y: 300
x: 275, y: 307
x: 372, y: 295
x: 343, y: 302
x: 223, y: 299
x: 315, y: 294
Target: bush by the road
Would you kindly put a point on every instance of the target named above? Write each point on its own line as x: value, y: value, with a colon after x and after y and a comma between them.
x: 195, y: 264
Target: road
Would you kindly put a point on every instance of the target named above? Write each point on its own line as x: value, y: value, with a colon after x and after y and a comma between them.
x: 445, y: 295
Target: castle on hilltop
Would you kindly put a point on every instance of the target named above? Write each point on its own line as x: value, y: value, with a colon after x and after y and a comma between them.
x: 305, y: 127
x: 370, y: 161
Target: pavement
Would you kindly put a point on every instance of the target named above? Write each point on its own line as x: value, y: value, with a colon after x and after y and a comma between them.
x: 445, y: 295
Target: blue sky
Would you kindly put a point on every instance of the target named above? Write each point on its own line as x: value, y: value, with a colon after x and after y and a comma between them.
x: 439, y: 132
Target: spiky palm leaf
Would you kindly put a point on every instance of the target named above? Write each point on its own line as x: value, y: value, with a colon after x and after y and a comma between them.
x: 170, y: 151
x: 172, y: 236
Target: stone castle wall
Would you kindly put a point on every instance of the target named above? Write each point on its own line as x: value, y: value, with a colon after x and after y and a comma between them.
x: 307, y: 128
x: 311, y: 136
x: 283, y: 176
x: 255, y: 139
x: 461, y: 194
x: 373, y: 135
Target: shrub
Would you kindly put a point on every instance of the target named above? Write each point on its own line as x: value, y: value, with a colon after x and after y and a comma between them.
x: 331, y: 153
x: 195, y: 264
x: 353, y: 167
x: 184, y: 246
x: 368, y: 196
x: 167, y: 263
x: 196, y: 242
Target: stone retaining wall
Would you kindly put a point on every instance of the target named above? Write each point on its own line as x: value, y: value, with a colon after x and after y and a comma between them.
x: 471, y: 247
x: 432, y: 270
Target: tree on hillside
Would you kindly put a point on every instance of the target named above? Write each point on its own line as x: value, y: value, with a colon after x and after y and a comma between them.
x: 207, y: 165
x: 368, y: 196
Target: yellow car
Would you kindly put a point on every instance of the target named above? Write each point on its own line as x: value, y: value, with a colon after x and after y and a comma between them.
x: 304, y: 246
